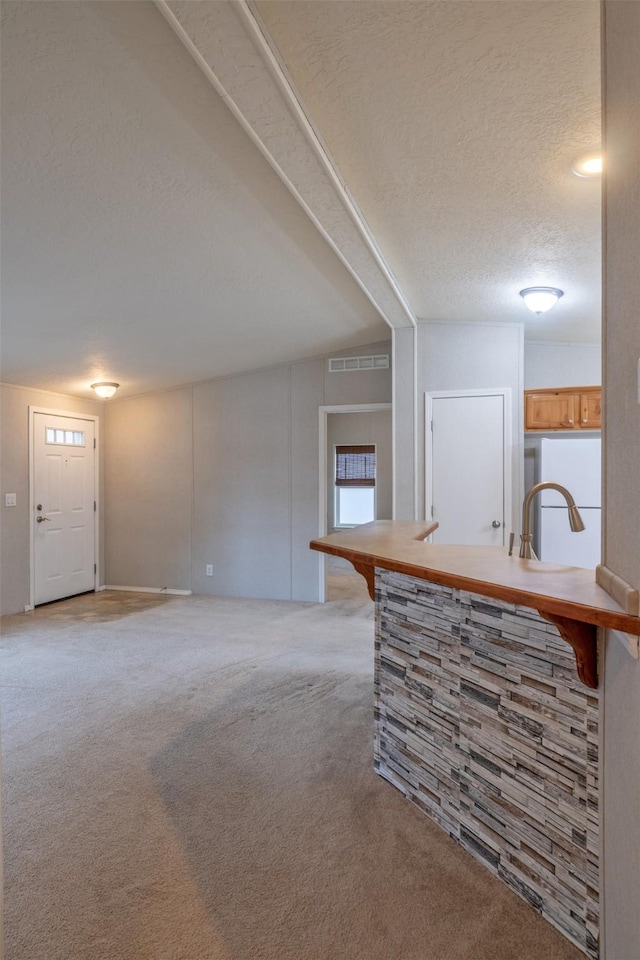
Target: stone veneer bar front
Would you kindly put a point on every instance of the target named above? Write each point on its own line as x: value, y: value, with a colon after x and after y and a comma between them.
x: 486, y: 691
x: 482, y: 722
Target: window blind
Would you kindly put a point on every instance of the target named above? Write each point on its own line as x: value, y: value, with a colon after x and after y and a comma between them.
x: 356, y: 465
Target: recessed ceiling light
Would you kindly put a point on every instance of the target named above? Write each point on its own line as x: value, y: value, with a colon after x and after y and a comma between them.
x: 541, y: 299
x: 588, y: 165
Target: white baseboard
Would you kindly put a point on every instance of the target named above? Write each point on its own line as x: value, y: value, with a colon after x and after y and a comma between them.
x: 166, y: 590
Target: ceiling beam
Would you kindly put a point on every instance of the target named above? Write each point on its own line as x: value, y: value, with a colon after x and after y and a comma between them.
x: 231, y: 46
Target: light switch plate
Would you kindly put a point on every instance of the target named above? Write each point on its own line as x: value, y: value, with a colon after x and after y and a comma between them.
x: 209, y: 569
x: 10, y: 500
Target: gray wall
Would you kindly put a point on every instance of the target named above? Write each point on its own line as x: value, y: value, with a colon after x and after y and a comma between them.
x: 621, y: 702
x: 14, y: 478
x: 364, y: 386
x: 549, y: 364
x: 308, y: 390
x: 352, y: 428
x: 405, y: 425
x: 461, y: 356
x: 242, y: 496
x: 235, y: 463
x: 149, y: 490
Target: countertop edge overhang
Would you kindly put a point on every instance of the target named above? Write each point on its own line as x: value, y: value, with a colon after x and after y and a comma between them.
x: 567, y: 596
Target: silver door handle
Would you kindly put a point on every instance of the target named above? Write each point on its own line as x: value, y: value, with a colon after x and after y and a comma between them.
x: 42, y: 519
x: 496, y: 524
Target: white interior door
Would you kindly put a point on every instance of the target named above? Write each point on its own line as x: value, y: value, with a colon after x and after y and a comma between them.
x: 468, y: 469
x: 63, y: 505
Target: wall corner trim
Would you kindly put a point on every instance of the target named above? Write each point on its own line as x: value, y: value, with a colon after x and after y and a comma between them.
x: 621, y: 591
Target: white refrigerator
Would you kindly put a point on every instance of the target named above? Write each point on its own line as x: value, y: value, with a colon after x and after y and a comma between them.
x: 574, y: 463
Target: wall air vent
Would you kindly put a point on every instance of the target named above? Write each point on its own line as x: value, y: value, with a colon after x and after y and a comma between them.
x: 347, y: 364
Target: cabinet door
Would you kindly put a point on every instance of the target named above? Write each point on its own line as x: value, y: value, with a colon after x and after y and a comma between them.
x: 591, y: 410
x: 548, y: 410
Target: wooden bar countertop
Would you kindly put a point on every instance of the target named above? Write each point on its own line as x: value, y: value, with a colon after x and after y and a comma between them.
x: 567, y: 596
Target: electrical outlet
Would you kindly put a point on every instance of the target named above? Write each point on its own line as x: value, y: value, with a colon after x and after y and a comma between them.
x: 209, y: 569
x: 10, y: 500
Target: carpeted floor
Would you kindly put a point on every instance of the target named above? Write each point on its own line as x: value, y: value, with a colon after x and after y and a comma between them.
x: 342, y: 582
x: 191, y: 779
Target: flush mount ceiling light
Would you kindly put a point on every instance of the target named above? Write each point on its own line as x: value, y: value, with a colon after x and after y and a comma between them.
x: 541, y: 299
x: 587, y: 165
x: 105, y: 389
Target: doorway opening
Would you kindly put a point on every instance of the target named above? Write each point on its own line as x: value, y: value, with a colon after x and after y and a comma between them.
x: 355, y: 484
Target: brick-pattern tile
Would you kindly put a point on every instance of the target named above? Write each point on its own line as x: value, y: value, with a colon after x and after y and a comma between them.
x: 482, y: 722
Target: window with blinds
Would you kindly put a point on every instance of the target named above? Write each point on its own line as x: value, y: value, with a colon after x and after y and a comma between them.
x: 356, y: 466
x: 355, y: 481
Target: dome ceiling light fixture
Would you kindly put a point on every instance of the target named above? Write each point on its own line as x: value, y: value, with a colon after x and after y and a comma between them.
x: 105, y: 388
x: 588, y: 165
x: 541, y: 299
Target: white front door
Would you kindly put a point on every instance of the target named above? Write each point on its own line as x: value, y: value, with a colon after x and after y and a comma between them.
x: 467, y: 467
x: 63, y: 506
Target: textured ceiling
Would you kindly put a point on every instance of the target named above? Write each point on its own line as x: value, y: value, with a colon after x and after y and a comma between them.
x: 454, y: 125
x: 147, y: 240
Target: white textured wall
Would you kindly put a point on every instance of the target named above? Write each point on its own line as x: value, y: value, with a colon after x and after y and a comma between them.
x: 350, y: 428
x: 548, y: 364
x: 621, y: 760
x: 14, y: 478
x: 460, y: 356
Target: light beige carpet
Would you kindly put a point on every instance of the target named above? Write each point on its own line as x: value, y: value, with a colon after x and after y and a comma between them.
x: 192, y: 780
x: 342, y: 582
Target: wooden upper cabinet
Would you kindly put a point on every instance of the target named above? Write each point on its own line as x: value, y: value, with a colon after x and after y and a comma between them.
x: 550, y: 410
x: 565, y: 408
x: 591, y: 409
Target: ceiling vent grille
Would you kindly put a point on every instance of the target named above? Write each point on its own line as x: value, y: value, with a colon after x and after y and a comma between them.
x: 348, y: 364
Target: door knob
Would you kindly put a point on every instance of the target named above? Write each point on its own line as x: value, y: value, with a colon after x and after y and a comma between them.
x: 496, y: 524
x: 42, y: 519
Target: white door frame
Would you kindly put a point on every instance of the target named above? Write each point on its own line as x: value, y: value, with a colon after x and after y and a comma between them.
x: 323, y: 413
x: 47, y: 411
x: 506, y: 394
